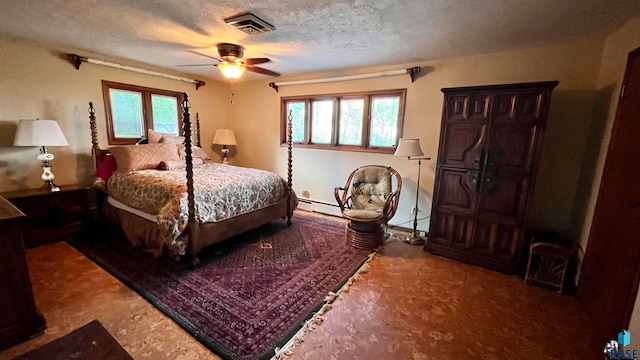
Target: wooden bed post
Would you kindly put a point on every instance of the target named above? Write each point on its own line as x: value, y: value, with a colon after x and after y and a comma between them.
x: 289, y: 167
x: 95, y: 149
x: 198, y: 130
x: 192, y: 224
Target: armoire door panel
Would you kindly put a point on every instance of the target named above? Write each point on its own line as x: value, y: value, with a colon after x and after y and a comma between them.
x: 478, y: 107
x: 528, y: 106
x: 504, y: 197
x: 502, y: 107
x: 452, y: 229
x: 458, y: 191
x: 467, y: 107
x: 518, y: 107
x: 496, y: 239
x: 457, y: 107
x: 511, y: 148
x: 465, y: 150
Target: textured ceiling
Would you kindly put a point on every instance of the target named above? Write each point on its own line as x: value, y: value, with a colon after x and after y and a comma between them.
x: 310, y: 35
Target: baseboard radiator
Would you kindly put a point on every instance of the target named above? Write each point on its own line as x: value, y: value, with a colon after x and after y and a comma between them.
x: 319, y: 207
x: 334, y: 210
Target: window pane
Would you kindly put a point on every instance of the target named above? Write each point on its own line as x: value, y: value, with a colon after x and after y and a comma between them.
x: 351, y: 113
x: 126, y: 108
x: 321, y: 116
x: 297, y: 124
x: 384, y: 121
x: 165, y: 114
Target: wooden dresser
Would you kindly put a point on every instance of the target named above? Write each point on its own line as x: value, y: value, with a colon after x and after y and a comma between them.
x: 490, y: 146
x: 53, y: 216
x: 19, y: 317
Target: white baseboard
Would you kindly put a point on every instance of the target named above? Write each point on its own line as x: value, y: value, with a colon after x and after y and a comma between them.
x: 319, y: 207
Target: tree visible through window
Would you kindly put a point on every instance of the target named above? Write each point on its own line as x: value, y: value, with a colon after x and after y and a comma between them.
x: 354, y: 122
x: 133, y: 110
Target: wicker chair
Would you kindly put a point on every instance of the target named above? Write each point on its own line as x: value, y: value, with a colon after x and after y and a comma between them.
x: 368, y: 201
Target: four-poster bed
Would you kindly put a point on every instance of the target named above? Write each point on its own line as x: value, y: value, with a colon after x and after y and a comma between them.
x: 216, y: 202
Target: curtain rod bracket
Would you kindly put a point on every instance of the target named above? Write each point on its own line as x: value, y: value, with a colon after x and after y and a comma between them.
x: 274, y: 86
x: 200, y: 83
x: 77, y: 60
x: 413, y: 72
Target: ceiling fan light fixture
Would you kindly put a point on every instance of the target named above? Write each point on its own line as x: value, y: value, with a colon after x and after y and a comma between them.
x: 231, y: 70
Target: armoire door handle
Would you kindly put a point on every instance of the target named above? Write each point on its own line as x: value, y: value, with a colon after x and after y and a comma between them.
x: 481, y: 162
x: 636, y: 204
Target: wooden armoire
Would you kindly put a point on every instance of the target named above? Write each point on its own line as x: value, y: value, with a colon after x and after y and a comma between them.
x: 490, y: 146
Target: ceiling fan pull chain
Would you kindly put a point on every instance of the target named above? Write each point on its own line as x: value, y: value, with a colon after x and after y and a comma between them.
x: 232, y: 94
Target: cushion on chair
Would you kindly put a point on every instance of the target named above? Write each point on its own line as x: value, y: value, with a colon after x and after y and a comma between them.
x: 363, y: 214
x: 370, y: 189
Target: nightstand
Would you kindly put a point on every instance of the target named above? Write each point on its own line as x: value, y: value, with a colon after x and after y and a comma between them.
x: 53, y: 216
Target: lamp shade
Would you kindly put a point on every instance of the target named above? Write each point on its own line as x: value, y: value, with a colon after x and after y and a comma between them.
x: 39, y: 133
x: 231, y: 70
x: 224, y: 137
x: 408, y: 148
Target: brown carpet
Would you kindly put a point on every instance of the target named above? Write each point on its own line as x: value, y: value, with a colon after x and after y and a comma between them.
x: 91, y: 341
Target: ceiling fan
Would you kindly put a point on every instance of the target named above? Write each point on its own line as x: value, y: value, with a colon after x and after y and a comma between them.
x: 232, y: 65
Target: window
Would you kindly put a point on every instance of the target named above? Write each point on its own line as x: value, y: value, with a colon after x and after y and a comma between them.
x: 369, y: 121
x: 133, y: 110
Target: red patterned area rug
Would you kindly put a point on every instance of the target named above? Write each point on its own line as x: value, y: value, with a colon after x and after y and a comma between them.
x: 249, y: 294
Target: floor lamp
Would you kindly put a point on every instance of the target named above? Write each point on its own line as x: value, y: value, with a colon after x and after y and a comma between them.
x: 411, y: 149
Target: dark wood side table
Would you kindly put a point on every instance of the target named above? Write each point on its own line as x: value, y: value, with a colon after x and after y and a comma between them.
x: 19, y: 317
x: 53, y: 216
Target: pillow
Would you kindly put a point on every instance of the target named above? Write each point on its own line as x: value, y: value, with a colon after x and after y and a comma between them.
x: 196, y: 153
x: 154, y: 136
x: 158, y: 137
x: 179, y: 164
x: 172, y: 139
x: 99, y: 184
x: 138, y: 157
x: 106, y: 168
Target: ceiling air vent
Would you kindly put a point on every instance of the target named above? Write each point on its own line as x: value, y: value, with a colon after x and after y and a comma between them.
x: 249, y: 23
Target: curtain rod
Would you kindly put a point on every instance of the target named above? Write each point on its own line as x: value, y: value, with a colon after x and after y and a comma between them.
x: 413, y: 71
x: 77, y: 60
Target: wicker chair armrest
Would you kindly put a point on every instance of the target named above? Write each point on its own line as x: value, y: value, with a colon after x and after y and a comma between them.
x: 341, y: 199
x: 391, y: 205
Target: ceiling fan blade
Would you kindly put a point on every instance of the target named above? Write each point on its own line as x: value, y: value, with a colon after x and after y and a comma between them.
x: 260, y: 70
x: 197, y: 65
x: 255, y: 61
x: 210, y: 57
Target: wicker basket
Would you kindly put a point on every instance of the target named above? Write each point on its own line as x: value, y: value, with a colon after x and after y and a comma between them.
x: 360, y: 239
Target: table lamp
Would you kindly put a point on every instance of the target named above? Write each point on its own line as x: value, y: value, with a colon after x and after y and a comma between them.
x: 41, y: 133
x: 224, y: 137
